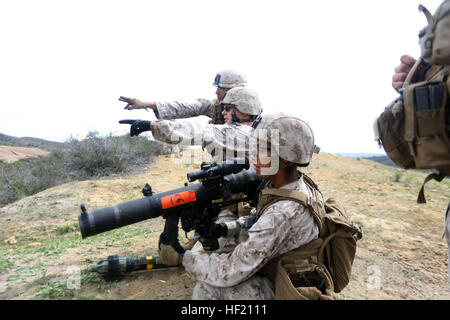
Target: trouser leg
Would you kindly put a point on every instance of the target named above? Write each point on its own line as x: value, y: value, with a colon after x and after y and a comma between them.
x: 255, y: 288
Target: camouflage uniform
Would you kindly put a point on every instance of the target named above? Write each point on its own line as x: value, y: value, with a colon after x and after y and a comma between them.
x: 233, y: 138
x: 225, y: 79
x: 226, y: 244
x: 178, y: 110
x: 282, y: 227
x: 221, y: 141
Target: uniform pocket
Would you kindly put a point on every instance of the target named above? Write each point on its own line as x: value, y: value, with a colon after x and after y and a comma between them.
x: 428, y: 123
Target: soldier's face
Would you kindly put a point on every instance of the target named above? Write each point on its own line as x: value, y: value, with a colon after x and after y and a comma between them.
x: 220, y: 93
x: 227, y: 113
x: 263, y: 159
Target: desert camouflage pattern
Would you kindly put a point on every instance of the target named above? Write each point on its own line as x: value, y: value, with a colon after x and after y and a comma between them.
x: 210, y: 108
x: 226, y: 244
x: 291, y: 137
x: 256, y: 288
x: 246, y: 100
x: 179, y: 110
x: 230, y: 79
x: 222, y: 142
x: 282, y: 227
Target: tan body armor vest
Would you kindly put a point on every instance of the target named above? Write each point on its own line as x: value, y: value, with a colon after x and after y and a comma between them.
x: 414, y: 129
x: 322, y: 266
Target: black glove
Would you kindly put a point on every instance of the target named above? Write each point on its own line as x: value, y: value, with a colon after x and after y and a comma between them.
x: 210, y: 234
x: 137, y: 126
x: 217, y: 230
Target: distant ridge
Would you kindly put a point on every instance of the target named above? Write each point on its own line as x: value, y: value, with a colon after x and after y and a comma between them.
x: 360, y: 155
x: 377, y: 157
x: 29, y: 142
x: 383, y: 160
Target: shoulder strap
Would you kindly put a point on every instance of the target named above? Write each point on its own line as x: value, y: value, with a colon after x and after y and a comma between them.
x: 412, y: 72
x: 316, y: 207
x: 284, y: 193
x: 309, y: 181
x: 410, y: 124
x: 436, y: 176
x: 428, y: 15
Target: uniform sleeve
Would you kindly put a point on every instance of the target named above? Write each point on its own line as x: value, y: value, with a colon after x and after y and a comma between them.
x: 228, y: 141
x: 220, y: 141
x: 192, y: 131
x: 178, y: 110
x: 273, y: 234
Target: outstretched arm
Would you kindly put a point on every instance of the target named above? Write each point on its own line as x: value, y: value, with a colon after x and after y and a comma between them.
x: 137, y: 126
x: 133, y: 103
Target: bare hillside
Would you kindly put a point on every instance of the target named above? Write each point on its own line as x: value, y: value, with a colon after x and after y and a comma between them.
x: 29, y: 142
x: 401, y: 255
x: 13, y: 153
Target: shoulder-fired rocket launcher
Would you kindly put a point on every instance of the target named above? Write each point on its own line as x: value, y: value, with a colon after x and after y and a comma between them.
x: 194, y: 204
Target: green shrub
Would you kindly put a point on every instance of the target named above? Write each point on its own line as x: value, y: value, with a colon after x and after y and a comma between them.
x: 397, y: 176
x: 92, y: 157
x: 99, y: 156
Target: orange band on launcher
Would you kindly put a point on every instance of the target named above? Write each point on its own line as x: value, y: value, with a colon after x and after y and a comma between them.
x: 178, y: 199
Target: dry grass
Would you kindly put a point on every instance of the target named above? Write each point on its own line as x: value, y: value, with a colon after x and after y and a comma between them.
x: 11, y: 154
x: 401, y: 238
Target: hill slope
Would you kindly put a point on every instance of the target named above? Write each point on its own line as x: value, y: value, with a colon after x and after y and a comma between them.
x: 13, y: 148
x: 29, y: 142
x: 11, y: 154
x: 401, y: 255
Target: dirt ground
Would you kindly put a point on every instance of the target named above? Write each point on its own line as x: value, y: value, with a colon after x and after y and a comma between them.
x: 11, y: 154
x: 401, y: 256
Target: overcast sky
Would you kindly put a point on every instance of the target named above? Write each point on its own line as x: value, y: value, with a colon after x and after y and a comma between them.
x: 64, y: 64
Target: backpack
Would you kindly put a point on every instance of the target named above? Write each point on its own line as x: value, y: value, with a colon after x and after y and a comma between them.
x: 414, y: 129
x: 434, y: 39
x: 322, y: 266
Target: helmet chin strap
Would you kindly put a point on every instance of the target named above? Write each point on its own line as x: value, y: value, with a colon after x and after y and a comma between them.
x: 235, y: 119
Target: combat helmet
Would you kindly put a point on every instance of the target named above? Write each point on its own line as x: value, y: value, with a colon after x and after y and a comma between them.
x: 293, y: 136
x: 245, y: 100
x: 230, y: 79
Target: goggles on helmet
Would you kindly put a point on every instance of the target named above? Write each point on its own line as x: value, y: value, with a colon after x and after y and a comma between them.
x: 216, y: 80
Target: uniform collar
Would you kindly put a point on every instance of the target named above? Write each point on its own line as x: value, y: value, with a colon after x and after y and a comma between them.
x: 290, y: 186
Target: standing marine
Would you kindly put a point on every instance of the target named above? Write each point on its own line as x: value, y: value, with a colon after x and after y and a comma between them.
x: 224, y: 81
x: 414, y: 129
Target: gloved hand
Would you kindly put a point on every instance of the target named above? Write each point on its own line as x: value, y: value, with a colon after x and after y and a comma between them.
x: 137, y: 126
x: 133, y: 103
x: 210, y: 234
x: 168, y: 255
